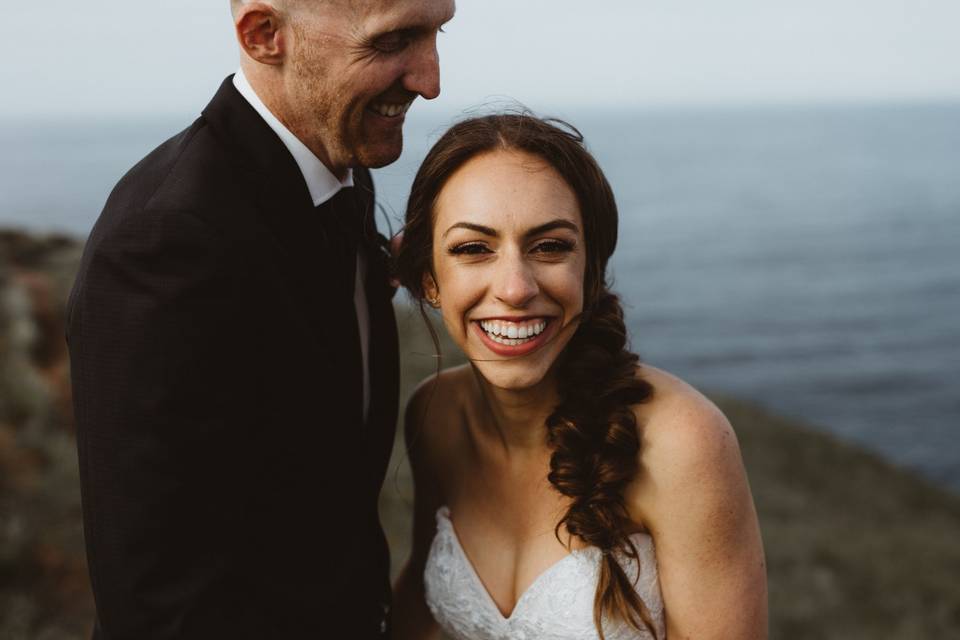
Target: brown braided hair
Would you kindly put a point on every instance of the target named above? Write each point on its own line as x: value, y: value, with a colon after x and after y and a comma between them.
x: 593, y: 431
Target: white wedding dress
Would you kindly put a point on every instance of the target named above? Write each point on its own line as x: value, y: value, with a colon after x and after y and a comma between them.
x: 557, y: 606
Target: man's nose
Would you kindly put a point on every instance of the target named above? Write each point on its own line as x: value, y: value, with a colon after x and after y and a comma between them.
x: 516, y: 283
x: 423, y: 76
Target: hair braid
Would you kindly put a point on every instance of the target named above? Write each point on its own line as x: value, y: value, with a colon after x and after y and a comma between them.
x: 593, y: 433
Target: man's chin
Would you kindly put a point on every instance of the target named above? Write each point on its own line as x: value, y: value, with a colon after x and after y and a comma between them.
x: 380, y: 155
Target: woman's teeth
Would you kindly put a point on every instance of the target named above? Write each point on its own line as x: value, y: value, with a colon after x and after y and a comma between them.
x: 512, y: 333
x: 390, y: 110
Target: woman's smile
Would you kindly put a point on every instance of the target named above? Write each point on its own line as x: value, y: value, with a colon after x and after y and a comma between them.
x: 514, y: 338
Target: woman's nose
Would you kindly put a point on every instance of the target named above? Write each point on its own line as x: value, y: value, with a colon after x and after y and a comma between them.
x: 516, y: 283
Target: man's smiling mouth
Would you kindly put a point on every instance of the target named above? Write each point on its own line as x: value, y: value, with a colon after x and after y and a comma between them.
x: 390, y: 109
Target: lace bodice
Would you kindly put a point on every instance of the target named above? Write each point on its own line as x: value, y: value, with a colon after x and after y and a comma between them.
x: 557, y: 606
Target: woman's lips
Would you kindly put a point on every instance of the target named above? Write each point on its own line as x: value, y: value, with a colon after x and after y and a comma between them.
x: 521, y: 349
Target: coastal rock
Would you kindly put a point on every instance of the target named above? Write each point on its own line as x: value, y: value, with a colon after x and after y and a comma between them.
x: 44, y: 590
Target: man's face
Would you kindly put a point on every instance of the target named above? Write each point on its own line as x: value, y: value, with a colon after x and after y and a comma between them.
x: 354, y: 68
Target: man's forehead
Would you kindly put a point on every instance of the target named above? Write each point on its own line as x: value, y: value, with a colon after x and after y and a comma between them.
x: 408, y: 14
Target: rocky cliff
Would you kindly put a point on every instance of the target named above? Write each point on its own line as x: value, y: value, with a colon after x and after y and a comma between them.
x: 43, y: 581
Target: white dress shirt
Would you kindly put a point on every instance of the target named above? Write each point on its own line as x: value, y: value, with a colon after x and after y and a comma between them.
x: 322, y: 185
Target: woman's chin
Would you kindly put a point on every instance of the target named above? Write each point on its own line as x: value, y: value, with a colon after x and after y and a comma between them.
x: 510, y: 376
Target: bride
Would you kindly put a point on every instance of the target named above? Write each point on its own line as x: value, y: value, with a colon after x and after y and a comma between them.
x: 562, y: 489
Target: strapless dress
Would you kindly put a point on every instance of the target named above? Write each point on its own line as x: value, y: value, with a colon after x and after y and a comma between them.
x: 557, y: 606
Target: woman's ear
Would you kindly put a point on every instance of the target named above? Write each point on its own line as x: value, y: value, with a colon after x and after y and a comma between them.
x: 258, y: 27
x: 430, y: 291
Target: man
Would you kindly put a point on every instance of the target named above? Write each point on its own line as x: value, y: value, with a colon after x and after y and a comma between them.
x: 233, y: 344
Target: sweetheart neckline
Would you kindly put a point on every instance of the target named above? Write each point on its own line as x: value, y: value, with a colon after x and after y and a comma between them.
x: 506, y: 618
x: 444, y: 511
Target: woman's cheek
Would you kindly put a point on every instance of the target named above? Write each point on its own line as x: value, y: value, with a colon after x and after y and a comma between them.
x: 564, y: 283
x: 460, y: 291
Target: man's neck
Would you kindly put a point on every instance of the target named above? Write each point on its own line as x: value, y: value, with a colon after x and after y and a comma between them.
x: 321, y: 181
x: 267, y: 85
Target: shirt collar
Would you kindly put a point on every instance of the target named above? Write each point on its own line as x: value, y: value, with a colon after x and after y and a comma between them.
x: 321, y: 183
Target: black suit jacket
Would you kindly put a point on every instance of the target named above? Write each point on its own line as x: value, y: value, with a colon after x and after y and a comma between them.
x: 229, y: 483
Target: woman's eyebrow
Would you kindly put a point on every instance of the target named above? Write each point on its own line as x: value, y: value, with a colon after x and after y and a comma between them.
x: 559, y: 223
x: 479, y: 228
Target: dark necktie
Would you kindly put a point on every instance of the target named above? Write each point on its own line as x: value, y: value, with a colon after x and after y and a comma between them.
x: 342, y: 218
x: 345, y: 224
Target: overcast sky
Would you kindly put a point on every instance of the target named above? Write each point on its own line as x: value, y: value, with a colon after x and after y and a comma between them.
x: 135, y: 57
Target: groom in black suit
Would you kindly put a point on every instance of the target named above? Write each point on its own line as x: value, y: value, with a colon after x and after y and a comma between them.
x: 233, y: 344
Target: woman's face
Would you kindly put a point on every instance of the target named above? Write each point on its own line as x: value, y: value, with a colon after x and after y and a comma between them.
x: 509, y: 261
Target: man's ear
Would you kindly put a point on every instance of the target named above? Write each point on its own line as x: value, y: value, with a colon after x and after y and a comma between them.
x: 258, y: 26
x: 430, y: 290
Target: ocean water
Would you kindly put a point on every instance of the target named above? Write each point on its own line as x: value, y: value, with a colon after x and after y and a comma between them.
x: 804, y: 258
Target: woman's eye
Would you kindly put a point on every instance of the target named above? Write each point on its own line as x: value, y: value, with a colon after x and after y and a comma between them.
x: 553, y: 246
x: 469, y: 249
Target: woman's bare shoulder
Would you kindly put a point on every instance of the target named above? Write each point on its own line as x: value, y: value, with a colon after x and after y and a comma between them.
x: 692, y: 494
x: 436, y: 405
x: 678, y: 412
x: 686, y: 441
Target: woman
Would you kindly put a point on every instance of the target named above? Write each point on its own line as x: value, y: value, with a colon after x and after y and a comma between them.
x: 562, y: 490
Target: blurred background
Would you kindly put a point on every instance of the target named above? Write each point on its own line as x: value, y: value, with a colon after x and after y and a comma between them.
x: 788, y: 176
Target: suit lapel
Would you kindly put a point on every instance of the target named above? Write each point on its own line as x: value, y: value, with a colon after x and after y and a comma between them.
x: 384, y: 353
x: 300, y: 246
x: 294, y: 240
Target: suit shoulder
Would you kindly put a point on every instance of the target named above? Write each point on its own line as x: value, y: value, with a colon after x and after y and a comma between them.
x: 161, y: 212
x: 142, y: 182
x: 190, y: 172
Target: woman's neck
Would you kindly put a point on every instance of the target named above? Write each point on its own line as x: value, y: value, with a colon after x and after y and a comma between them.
x: 517, y: 417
